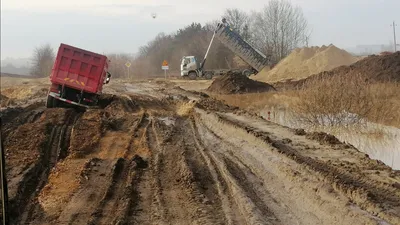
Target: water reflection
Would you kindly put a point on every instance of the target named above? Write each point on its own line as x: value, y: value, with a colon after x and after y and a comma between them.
x: 378, y: 141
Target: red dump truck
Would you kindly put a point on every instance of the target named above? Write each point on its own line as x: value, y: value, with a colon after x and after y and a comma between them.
x: 77, y: 77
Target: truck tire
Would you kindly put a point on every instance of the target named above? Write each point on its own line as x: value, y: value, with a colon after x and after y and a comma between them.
x: 192, y: 75
x: 208, y: 76
x: 246, y: 73
x: 52, y: 102
x: 49, y: 102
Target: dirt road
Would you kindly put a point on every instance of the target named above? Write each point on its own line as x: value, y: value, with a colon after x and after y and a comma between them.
x: 154, y: 154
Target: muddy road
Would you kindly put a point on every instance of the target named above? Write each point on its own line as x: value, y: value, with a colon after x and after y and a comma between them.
x: 154, y: 154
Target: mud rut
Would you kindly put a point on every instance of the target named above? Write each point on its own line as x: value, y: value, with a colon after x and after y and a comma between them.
x: 199, y: 169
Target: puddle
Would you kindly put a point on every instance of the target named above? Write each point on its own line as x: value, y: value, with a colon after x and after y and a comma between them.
x: 378, y: 141
x: 141, y: 89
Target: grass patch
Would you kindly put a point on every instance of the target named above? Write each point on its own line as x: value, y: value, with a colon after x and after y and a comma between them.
x: 330, y: 101
x: 344, y: 100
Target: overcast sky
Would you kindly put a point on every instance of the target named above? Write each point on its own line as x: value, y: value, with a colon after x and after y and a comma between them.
x: 124, y: 25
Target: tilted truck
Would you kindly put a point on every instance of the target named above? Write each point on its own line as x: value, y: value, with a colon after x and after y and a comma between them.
x: 77, y: 77
x: 254, y: 58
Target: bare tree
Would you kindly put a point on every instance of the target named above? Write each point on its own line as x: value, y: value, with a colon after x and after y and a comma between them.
x: 191, y: 40
x: 211, y: 25
x: 117, y: 66
x: 239, y: 21
x: 42, y: 60
x: 279, y: 28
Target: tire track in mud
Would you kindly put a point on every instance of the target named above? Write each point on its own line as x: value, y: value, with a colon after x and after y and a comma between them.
x: 15, y: 117
x: 93, y: 170
x: 103, y: 211
x: 143, y: 171
x: 168, y: 191
x: 149, y: 208
x: 116, y: 204
x: 378, y: 199
x: 93, y: 178
x: 103, y: 197
x: 82, y: 204
x: 235, y: 190
x: 270, y: 178
x: 239, y: 174
x: 228, y: 205
x: 36, y: 177
x: 137, y: 175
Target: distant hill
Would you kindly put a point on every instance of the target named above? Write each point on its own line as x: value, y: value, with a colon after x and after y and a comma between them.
x: 364, y: 50
x: 18, y: 66
x: 9, y: 68
x: 17, y: 62
x: 15, y: 75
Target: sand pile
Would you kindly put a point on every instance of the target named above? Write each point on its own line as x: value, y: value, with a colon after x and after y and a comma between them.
x: 235, y: 84
x: 304, y: 62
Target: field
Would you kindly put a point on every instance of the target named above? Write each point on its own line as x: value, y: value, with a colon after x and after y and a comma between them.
x: 162, y: 152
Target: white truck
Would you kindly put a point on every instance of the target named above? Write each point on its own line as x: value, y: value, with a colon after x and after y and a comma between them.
x: 190, y: 66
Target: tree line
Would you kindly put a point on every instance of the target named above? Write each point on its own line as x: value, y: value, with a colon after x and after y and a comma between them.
x: 276, y: 29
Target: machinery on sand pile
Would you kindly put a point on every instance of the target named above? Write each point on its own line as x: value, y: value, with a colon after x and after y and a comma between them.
x: 190, y: 66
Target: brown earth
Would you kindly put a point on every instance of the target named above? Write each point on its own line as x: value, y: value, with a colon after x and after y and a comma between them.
x: 236, y: 84
x: 323, y: 138
x: 140, y: 160
x: 375, y: 68
x: 214, y: 105
x: 22, y: 95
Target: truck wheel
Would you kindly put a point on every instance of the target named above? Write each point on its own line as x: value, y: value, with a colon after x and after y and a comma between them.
x: 192, y: 75
x: 49, y: 102
x: 52, y: 102
x: 56, y: 102
x: 208, y: 76
x: 247, y: 73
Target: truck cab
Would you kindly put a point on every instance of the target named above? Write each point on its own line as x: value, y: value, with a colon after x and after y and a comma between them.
x: 255, y: 59
x: 189, y: 64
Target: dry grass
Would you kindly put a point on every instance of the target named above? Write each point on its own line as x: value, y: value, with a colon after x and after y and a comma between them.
x: 185, y: 108
x: 333, y: 101
x: 344, y: 100
x: 22, y: 81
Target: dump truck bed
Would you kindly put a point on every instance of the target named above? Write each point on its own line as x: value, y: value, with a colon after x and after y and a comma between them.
x: 241, y: 48
x: 79, y: 69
